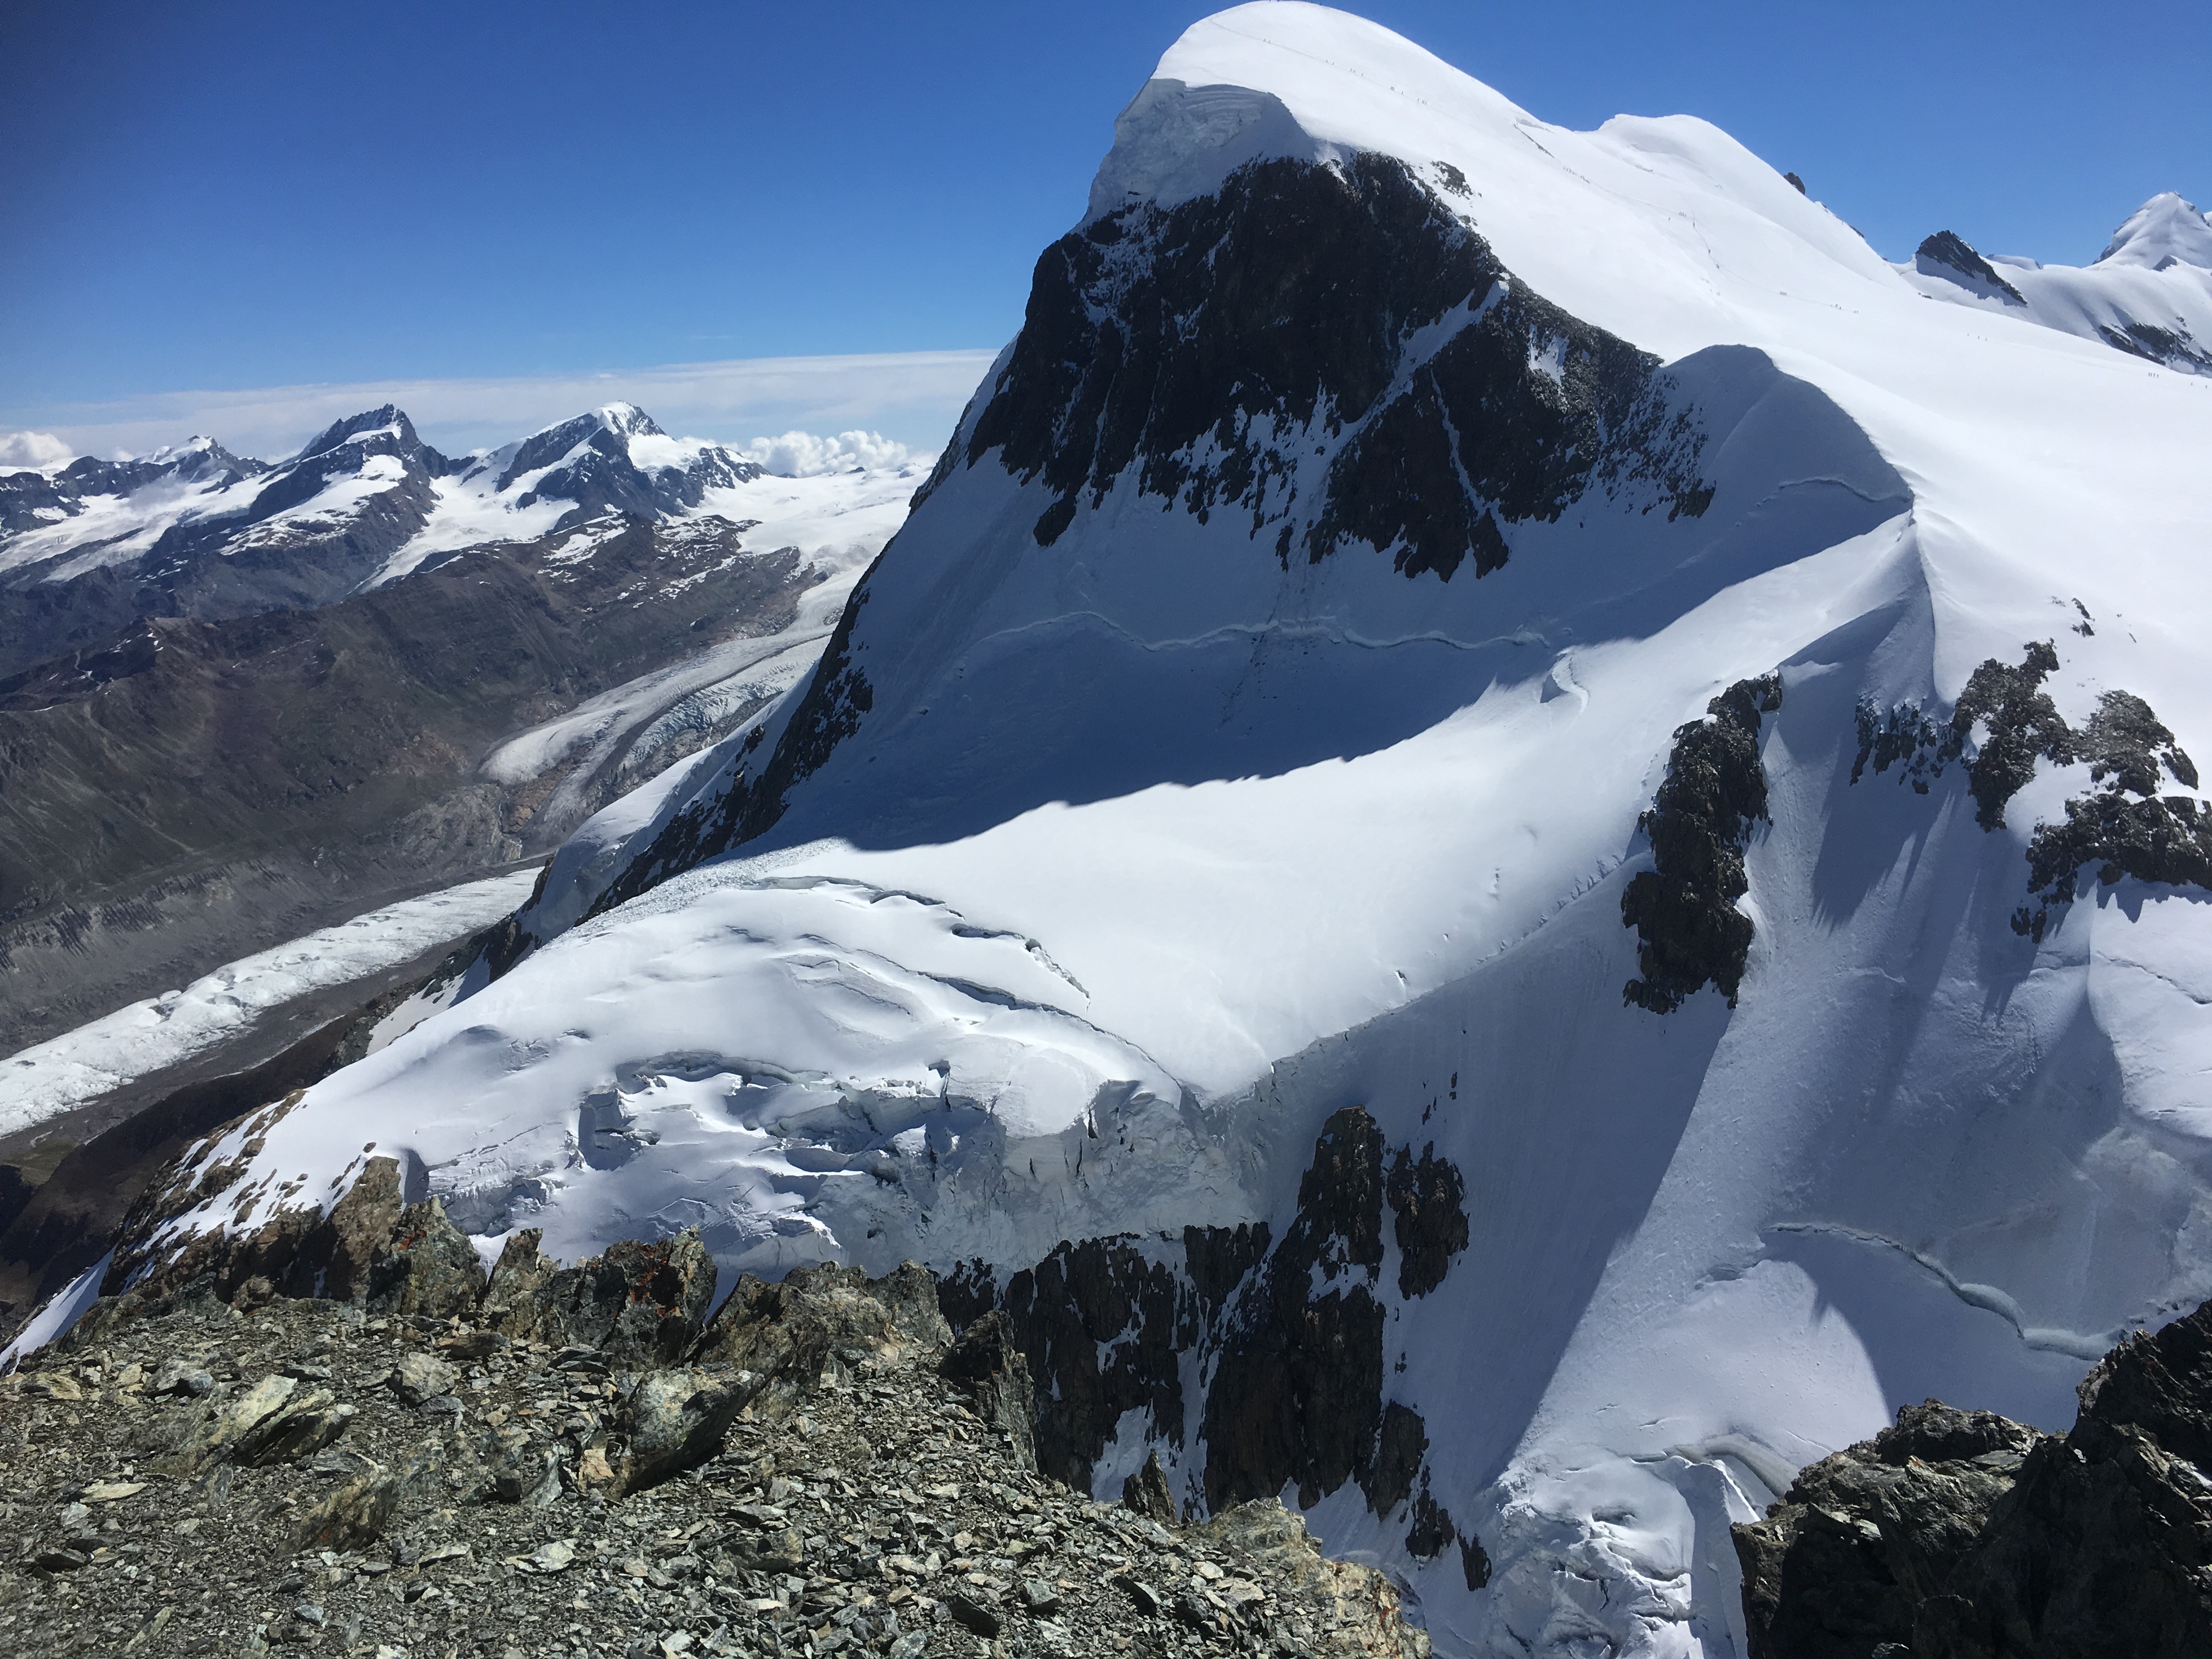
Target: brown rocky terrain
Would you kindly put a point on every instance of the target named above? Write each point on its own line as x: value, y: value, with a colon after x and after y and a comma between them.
x: 580, y: 1460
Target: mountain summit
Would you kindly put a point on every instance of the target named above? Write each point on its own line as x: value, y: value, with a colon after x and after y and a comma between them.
x: 1510, y: 843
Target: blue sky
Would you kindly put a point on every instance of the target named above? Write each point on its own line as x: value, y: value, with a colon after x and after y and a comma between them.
x: 228, y: 196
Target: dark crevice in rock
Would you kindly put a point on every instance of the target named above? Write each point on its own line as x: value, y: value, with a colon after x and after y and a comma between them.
x: 1690, y: 934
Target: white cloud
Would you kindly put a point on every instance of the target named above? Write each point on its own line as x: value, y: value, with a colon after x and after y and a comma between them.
x: 35, y: 451
x: 804, y: 455
x: 911, y: 397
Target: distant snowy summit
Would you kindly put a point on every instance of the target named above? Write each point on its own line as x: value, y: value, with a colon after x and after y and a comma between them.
x: 2148, y: 294
x: 195, y: 531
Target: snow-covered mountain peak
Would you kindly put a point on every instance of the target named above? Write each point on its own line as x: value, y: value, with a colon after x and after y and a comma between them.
x: 629, y: 420
x: 389, y: 421
x: 2164, y: 232
x: 1427, y: 594
x: 202, y: 460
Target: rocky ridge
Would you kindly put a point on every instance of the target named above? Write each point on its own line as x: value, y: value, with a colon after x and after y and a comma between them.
x: 578, y: 1460
x: 1958, y: 1535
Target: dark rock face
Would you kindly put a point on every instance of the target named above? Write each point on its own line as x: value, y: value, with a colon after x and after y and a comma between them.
x: 1101, y: 1298
x: 1286, y: 1338
x: 410, y: 1257
x: 1283, y: 304
x: 2173, y: 347
x: 2022, y: 723
x: 1962, y: 1536
x: 1298, y: 1391
x: 2007, y: 702
x: 2128, y: 749
x: 1684, y: 910
x: 996, y: 1374
x: 1146, y: 1493
x: 1428, y: 1200
x: 818, y: 1318
x: 1902, y: 737
x: 1947, y: 255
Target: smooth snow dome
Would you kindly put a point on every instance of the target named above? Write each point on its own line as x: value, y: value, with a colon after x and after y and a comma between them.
x: 1148, y: 851
x: 2165, y: 230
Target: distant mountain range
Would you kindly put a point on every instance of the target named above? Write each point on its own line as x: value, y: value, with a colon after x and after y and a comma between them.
x: 197, y: 532
x: 239, y: 700
x: 2148, y: 294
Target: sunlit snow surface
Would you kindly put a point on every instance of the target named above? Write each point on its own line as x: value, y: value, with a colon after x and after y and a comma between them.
x: 1151, y: 853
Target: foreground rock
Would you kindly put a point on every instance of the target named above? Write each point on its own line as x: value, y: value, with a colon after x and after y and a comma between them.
x: 822, y: 1471
x: 1964, y: 1535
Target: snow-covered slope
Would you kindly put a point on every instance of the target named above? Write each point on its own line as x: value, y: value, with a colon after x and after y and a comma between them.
x: 1419, y: 570
x: 2149, y: 294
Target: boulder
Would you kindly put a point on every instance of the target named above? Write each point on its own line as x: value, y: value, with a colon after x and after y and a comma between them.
x: 643, y: 1303
x: 675, y: 1420
x: 996, y: 1375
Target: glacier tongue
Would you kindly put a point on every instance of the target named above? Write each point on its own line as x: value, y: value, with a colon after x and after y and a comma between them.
x: 1164, y: 797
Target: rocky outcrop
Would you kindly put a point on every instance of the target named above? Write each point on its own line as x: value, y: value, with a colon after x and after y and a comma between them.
x: 549, y: 1502
x: 1428, y: 1200
x: 2129, y: 751
x: 1285, y: 1336
x: 1958, y: 1535
x: 369, y: 1248
x: 820, y: 1319
x: 1307, y: 285
x: 642, y: 1301
x: 996, y: 1374
x: 1689, y: 930
x: 1946, y: 254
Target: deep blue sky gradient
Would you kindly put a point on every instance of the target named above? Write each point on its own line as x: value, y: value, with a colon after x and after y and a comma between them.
x: 231, y: 194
